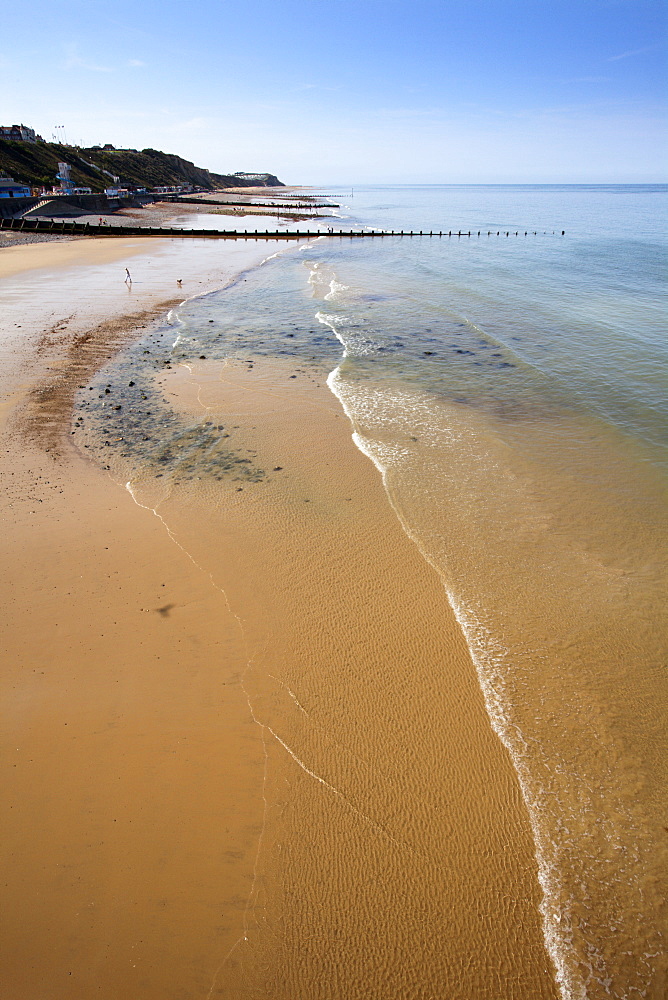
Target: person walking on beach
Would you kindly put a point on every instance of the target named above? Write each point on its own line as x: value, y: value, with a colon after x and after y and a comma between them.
x: 128, y: 279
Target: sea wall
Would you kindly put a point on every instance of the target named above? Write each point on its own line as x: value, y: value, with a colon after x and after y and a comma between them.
x: 14, y: 208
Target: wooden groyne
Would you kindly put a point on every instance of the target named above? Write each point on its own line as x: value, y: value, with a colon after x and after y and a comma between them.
x: 89, y: 229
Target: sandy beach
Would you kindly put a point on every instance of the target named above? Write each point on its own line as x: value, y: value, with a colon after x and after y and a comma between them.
x: 242, y: 758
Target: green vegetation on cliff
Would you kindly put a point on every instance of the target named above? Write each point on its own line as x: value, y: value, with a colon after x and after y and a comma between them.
x: 37, y: 164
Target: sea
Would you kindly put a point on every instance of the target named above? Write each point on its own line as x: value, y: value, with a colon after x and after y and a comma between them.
x: 509, y: 385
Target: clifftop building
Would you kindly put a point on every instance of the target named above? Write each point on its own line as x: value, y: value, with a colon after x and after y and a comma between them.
x: 19, y: 133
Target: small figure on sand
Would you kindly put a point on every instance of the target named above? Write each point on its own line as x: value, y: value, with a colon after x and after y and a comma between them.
x: 128, y: 278
x: 179, y: 282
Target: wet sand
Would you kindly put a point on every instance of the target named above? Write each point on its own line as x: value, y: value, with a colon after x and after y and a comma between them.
x: 245, y: 751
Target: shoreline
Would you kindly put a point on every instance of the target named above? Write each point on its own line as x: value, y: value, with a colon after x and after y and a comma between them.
x: 219, y: 591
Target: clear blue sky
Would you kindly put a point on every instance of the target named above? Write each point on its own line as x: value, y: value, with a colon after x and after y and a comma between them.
x: 352, y: 91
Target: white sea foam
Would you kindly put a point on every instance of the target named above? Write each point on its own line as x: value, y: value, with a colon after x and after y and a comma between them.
x: 321, y: 277
x: 272, y: 256
x: 335, y: 290
x: 351, y: 334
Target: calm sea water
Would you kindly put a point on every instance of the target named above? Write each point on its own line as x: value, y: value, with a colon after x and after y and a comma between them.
x: 511, y: 392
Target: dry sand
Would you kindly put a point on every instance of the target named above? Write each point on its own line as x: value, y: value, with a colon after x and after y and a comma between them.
x: 245, y: 753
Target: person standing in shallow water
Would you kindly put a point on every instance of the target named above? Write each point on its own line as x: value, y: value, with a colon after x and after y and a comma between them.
x: 128, y: 279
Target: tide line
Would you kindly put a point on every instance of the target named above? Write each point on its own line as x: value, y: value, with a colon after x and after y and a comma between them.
x: 555, y: 936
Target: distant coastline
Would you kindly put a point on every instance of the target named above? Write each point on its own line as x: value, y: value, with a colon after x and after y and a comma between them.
x: 96, y: 168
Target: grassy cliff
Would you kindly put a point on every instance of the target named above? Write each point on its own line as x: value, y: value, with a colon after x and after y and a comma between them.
x: 37, y: 164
